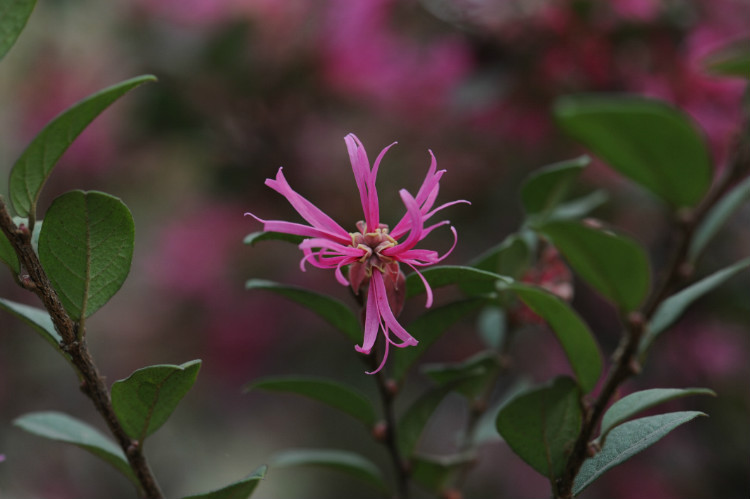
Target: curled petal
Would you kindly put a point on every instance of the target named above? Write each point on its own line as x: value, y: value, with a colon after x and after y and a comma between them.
x: 311, y: 213
x: 372, y: 322
x: 427, y: 288
x: 384, y: 310
x: 412, y: 209
x: 296, y: 229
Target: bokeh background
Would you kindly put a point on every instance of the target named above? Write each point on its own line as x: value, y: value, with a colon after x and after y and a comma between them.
x: 246, y: 86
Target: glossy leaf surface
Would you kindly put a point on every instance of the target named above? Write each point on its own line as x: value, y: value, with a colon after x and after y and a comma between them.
x: 86, y: 247
x: 145, y: 400
x: 614, y: 265
x: 646, y: 140
x: 332, y: 393
x: 32, y: 169
x: 542, y: 424
x: 332, y: 310
x: 547, y: 187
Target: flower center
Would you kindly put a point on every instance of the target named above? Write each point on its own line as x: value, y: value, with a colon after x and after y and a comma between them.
x: 373, y: 244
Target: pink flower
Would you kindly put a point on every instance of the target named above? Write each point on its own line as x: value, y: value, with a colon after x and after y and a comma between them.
x: 373, y: 253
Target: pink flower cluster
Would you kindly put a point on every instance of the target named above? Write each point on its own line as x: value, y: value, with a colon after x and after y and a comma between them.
x: 372, y: 254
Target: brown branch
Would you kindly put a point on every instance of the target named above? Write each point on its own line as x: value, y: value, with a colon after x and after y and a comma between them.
x: 92, y: 383
x: 678, y: 270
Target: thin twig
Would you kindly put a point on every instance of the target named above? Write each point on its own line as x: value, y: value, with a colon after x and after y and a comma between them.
x: 92, y: 383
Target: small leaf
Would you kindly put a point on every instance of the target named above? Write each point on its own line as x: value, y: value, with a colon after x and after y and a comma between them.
x: 632, y: 404
x: 145, y: 400
x: 86, y: 247
x: 486, y: 427
x: 547, y: 187
x: 648, y: 141
x: 717, y: 217
x: 542, y: 424
x: 329, y: 392
x: 447, y: 274
x: 427, y: 329
x: 580, y: 207
x: 411, y: 424
x: 470, y: 377
x: 241, y: 489
x: 509, y: 258
x: 351, y: 463
x: 614, y: 265
x: 733, y: 60
x: 34, y: 166
x: 673, y: 307
x: 8, y: 254
x: 64, y: 428
x: 257, y: 237
x: 627, y: 440
x: 332, y: 310
x: 573, y: 334
x: 38, y: 319
x: 434, y: 473
x: 13, y: 17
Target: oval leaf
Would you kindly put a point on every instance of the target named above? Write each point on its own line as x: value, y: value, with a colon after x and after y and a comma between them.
x: 632, y: 404
x: 353, y: 464
x: 428, y: 328
x: 717, y: 217
x: 332, y: 310
x: 238, y: 490
x: 646, y: 140
x: 627, y: 440
x: 329, y: 392
x: 542, y: 424
x: 572, y: 333
x: 64, y: 428
x: 673, y: 307
x: 547, y: 187
x: 470, y: 377
x: 614, y: 265
x: 34, y: 166
x: 410, y: 426
x: 145, y: 400
x: 13, y: 17
x: 86, y: 247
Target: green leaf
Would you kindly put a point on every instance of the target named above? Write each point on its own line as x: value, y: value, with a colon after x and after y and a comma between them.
x: 733, y: 60
x: 648, y: 141
x: 434, y: 473
x: 470, y: 377
x: 145, y: 400
x: 63, y: 428
x: 486, y: 427
x: 86, y: 247
x: 468, y: 277
x: 13, y: 17
x: 632, y: 404
x: 509, y: 258
x: 351, y: 463
x: 580, y: 207
x: 37, y: 318
x: 34, y: 166
x: 547, y: 187
x: 717, y: 217
x: 257, y: 237
x: 332, y: 310
x: 241, y: 489
x: 427, y: 329
x: 542, y: 424
x: 673, y: 307
x: 8, y: 254
x: 614, y: 265
x: 573, y: 334
x: 329, y: 392
x: 413, y: 421
x: 627, y: 440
